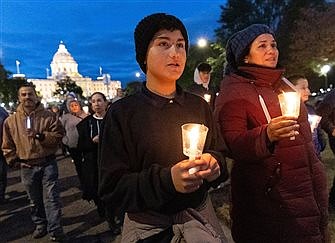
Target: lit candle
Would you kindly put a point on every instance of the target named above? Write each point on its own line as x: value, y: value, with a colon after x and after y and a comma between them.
x: 314, y: 121
x: 289, y: 105
x: 28, y: 123
x: 86, y: 109
x: 194, y: 137
x: 207, y: 97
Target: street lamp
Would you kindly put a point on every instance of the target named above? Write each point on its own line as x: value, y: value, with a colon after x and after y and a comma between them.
x: 324, y: 70
x: 202, y: 42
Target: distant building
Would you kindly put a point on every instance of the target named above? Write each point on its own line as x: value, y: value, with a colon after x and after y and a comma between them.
x: 63, y: 65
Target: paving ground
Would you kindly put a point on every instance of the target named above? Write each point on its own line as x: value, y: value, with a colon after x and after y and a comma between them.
x: 80, y: 219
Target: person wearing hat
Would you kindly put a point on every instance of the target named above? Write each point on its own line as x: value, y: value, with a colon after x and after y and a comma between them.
x: 279, y: 189
x: 142, y: 168
x: 201, y: 87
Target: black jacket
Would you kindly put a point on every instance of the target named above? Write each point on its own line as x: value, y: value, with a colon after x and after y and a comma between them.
x: 142, y: 140
x: 88, y: 128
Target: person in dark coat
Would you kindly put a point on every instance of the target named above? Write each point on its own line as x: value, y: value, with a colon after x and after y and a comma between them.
x: 279, y: 186
x: 3, y: 164
x: 142, y: 169
x: 201, y: 85
x: 89, y: 130
x: 326, y: 109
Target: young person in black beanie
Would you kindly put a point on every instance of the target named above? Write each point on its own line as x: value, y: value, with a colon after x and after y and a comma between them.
x: 142, y: 167
x: 278, y: 184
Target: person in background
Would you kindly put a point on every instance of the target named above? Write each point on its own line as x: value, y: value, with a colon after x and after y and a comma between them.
x: 70, y: 140
x: 89, y: 130
x: 30, y: 139
x: 326, y: 109
x: 301, y: 84
x: 55, y: 109
x: 64, y: 110
x: 278, y: 184
x: 64, y: 107
x: 142, y: 168
x: 201, y: 85
x: 119, y: 95
x: 3, y: 165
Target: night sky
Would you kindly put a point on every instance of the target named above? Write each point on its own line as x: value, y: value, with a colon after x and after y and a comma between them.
x: 96, y: 33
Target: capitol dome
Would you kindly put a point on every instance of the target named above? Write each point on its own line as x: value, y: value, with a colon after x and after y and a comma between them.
x: 63, y: 64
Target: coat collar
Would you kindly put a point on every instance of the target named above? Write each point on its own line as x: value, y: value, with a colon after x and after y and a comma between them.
x: 262, y: 76
x: 39, y: 106
x: 160, y: 101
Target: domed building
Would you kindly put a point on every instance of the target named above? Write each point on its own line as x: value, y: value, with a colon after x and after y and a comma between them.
x: 64, y: 66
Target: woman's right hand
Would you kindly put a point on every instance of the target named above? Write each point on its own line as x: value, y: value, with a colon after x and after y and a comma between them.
x: 282, y: 127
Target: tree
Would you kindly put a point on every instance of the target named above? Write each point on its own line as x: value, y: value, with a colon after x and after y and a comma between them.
x: 217, y: 62
x: 9, y: 86
x: 67, y: 85
x: 133, y: 87
x: 297, y: 11
x: 312, y: 43
x: 238, y: 14
x: 301, y: 29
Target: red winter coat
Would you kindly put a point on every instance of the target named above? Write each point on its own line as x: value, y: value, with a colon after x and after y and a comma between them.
x: 279, y: 191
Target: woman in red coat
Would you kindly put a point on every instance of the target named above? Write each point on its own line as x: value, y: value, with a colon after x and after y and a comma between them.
x: 279, y: 191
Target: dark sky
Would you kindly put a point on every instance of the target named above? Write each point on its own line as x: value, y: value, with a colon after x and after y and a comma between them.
x: 96, y: 33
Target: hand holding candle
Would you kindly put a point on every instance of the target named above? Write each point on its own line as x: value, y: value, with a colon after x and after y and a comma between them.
x: 194, y: 137
x: 289, y: 104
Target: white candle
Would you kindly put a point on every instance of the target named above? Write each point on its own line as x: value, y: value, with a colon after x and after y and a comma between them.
x: 289, y: 105
x: 207, y: 97
x: 86, y: 109
x: 314, y: 121
x: 194, y: 137
x: 265, y: 109
x: 194, y: 140
x: 28, y: 123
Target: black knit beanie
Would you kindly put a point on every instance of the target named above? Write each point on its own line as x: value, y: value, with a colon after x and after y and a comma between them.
x: 148, y: 27
x: 238, y: 45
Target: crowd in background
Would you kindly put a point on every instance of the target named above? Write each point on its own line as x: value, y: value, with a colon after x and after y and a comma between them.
x: 129, y: 157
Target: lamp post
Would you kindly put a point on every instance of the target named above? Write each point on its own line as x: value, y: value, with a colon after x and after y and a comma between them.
x: 324, y: 70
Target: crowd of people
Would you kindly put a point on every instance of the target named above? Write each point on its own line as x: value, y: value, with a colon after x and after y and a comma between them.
x: 130, y: 159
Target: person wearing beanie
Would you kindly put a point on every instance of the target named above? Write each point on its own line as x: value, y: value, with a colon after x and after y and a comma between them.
x: 278, y: 184
x: 143, y: 171
x: 70, y: 140
x: 201, y: 87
